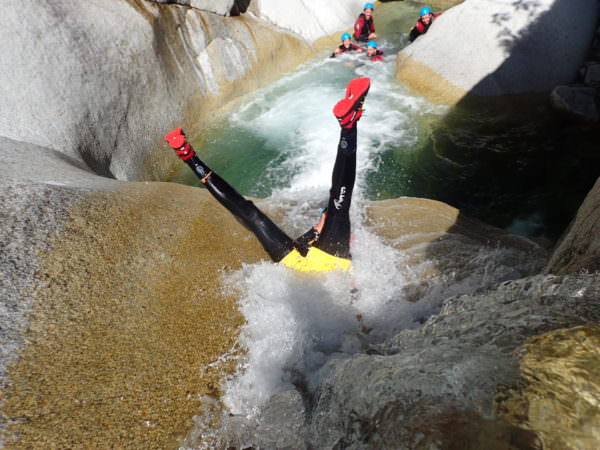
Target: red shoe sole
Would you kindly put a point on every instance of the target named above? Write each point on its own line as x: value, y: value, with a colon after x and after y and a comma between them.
x: 356, y: 90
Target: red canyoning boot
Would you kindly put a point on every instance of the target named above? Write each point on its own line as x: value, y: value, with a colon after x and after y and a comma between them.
x: 176, y: 140
x: 349, y: 110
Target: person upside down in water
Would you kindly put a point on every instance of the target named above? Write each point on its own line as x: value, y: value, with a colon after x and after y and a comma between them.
x: 325, y: 247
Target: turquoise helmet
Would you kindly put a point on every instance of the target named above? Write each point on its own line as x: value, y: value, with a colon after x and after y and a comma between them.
x: 372, y: 44
x: 425, y: 10
x: 369, y: 6
x: 345, y: 36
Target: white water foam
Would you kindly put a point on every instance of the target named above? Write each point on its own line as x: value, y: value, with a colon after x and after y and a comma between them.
x: 296, y: 324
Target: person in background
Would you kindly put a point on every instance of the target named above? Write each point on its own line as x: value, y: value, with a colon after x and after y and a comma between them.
x: 373, y: 53
x: 426, y: 18
x: 346, y: 46
x: 364, y: 28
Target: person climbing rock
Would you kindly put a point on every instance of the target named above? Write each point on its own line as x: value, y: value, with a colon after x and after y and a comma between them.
x: 372, y: 53
x: 426, y: 18
x: 346, y: 46
x: 364, y: 28
x: 325, y: 247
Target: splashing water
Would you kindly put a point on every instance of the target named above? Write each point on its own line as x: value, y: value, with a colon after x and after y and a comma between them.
x: 281, y: 145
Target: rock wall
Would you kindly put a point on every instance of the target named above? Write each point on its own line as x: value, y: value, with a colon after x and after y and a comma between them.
x: 102, y: 82
x: 558, y: 378
x: 581, y: 99
x: 491, y: 48
x: 312, y: 20
x: 579, y: 248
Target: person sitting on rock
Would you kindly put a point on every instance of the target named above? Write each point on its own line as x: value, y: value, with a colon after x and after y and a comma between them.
x: 364, y: 28
x: 426, y: 18
x: 346, y: 46
x: 373, y: 53
x: 323, y: 248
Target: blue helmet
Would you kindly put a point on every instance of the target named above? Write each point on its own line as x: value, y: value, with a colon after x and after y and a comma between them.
x: 372, y: 44
x: 425, y: 10
x: 345, y: 36
x: 369, y: 6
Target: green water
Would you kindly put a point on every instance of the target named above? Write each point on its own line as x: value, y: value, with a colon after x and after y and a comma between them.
x: 522, y: 169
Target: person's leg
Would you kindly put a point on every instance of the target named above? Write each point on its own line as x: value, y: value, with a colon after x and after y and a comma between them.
x: 335, y: 236
x: 276, y: 243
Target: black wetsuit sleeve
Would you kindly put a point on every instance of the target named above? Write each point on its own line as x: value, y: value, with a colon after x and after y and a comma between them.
x: 276, y: 243
x: 414, y: 33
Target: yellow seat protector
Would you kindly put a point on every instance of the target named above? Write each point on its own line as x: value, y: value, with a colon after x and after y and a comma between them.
x: 315, y: 261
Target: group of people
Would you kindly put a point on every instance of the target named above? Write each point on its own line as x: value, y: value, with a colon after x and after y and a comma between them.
x: 326, y: 246
x: 364, y: 31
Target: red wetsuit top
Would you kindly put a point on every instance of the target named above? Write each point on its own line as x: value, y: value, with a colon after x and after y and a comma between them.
x: 377, y: 56
x: 363, y: 27
x: 421, y: 28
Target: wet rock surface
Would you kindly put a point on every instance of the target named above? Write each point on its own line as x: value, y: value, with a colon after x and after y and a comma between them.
x: 436, y: 386
x: 559, y: 377
x: 126, y: 311
x: 579, y: 248
x: 449, y: 245
x: 111, y: 316
x: 27, y: 223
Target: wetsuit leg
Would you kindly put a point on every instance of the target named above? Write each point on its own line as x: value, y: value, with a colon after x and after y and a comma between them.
x: 335, y: 236
x: 275, y: 242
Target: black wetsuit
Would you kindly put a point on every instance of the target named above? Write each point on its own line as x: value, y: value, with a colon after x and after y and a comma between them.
x: 334, y: 238
x: 343, y: 49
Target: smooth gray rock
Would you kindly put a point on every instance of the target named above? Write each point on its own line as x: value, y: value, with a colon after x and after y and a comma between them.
x: 102, y: 82
x: 454, y: 363
x: 37, y: 188
x: 490, y: 48
x: 221, y: 7
x: 577, y: 101
x: 87, y: 79
x: 579, y: 248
